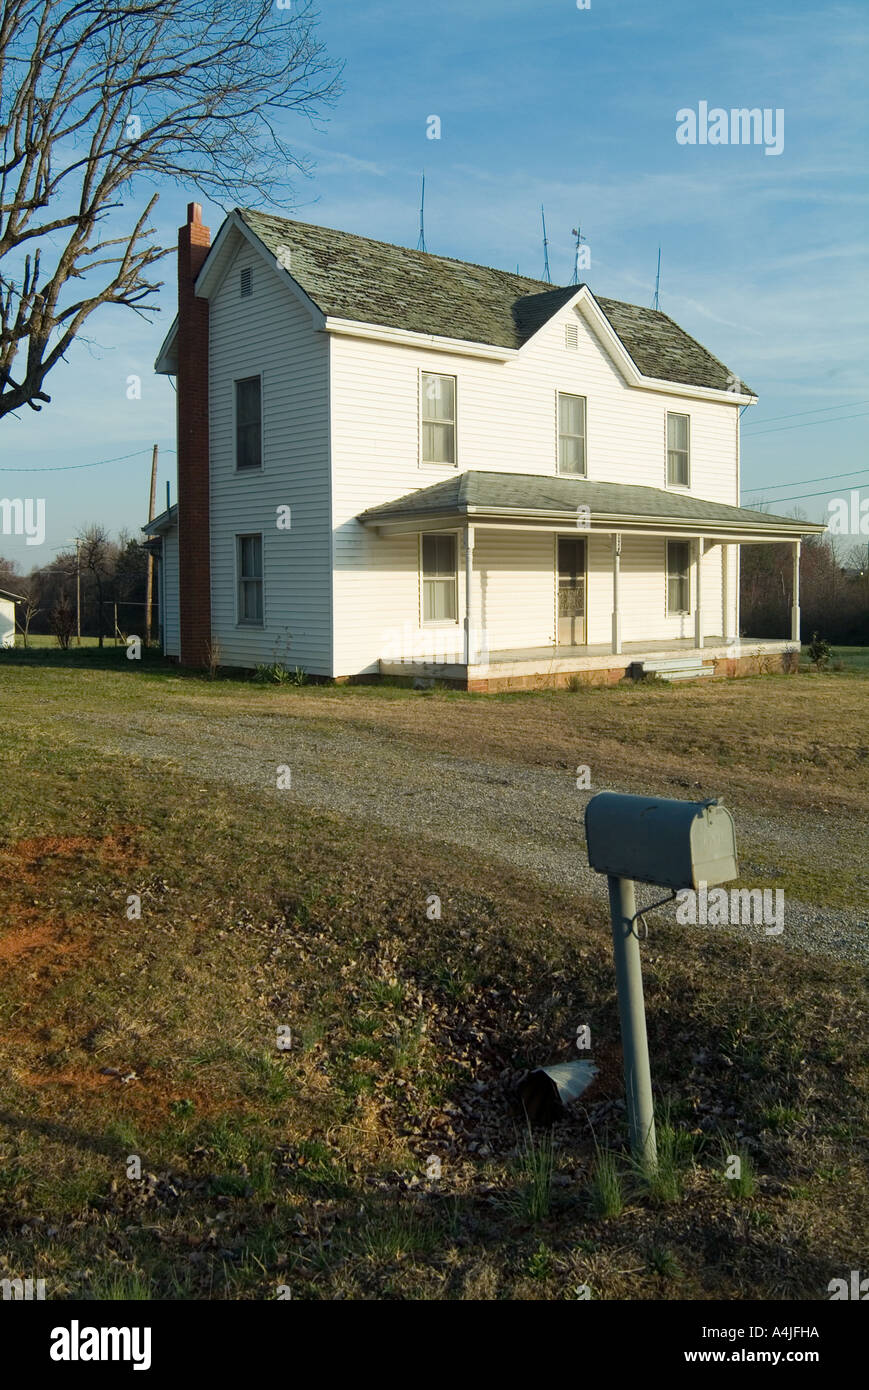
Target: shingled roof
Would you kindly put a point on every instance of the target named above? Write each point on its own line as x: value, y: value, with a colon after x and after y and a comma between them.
x: 480, y: 492
x: 353, y: 277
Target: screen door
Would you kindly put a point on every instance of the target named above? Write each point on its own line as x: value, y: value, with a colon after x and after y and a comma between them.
x: 571, y: 591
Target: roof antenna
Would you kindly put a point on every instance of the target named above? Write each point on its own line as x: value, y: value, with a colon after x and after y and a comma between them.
x: 420, y: 245
x: 656, y: 301
x: 577, y: 233
x: 547, y: 273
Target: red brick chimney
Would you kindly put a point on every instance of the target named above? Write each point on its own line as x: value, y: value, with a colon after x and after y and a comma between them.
x: 194, y: 530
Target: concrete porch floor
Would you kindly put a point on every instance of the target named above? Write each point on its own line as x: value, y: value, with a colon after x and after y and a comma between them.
x: 532, y: 666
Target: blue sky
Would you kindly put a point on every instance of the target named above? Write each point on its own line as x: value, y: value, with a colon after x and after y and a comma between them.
x: 763, y: 257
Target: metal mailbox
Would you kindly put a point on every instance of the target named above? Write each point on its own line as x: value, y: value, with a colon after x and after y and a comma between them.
x: 677, y: 844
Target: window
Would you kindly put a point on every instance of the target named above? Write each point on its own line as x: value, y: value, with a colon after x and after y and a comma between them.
x: 248, y: 423
x: 571, y: 336
x: 246, y: 282
x: 439, y: 583
x: 678, y: 577
x: 250, y: 579
x: 677, y: 450
x: 571, y: 434
x: 438, y: 418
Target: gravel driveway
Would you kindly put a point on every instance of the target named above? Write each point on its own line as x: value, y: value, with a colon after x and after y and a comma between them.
x: 529, y: 817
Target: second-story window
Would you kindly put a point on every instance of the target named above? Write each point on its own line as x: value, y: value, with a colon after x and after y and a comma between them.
x: 438, y: 418
x: 248, y: 423
x: 571, y: 434
x: 678, y: 450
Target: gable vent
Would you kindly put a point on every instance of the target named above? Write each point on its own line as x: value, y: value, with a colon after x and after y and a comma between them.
x: 571, y: 336
x: 246, y: 279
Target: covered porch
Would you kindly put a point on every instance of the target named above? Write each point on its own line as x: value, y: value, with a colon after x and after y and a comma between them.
x: 621, y: 580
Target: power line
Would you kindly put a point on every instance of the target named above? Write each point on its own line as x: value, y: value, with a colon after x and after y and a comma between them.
x: 794, y: 482
x: 71, y: 467
x: 779, y: 429
x: 845, y: 405
x: 800, y: 496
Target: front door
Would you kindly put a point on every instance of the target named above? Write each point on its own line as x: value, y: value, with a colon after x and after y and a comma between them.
x: 571, y: 591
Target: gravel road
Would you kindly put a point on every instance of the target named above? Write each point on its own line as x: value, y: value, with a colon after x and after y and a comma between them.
x: 529, y: 817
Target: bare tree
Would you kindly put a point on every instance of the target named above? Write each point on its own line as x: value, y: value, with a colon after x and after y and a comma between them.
x: 62, y: 621
x: 31, y: 611
x: 97, y: 557
x: 95, y: 94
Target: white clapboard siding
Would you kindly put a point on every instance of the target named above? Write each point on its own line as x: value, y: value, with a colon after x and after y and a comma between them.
x: 271, y: 334
x: 169, y: 618
x: 643, y: 592
x: 507, y: 422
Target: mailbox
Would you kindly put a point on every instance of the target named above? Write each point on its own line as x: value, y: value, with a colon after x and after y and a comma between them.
x: 677, y: 844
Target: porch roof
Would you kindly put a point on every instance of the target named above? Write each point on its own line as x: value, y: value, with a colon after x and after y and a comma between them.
x: 481, y: 497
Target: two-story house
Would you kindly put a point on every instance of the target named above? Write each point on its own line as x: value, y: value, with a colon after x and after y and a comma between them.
x: 394, y: 462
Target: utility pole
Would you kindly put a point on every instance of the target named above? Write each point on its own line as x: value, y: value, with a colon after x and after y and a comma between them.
x: 149, y: 583
x: 77, y: 593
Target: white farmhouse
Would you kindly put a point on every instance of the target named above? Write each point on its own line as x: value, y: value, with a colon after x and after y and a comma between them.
x: 392, y: 462
x: 7, y: 617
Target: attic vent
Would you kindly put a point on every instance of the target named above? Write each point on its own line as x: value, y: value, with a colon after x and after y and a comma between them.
x: 246, y: 282
x: 571, y: 336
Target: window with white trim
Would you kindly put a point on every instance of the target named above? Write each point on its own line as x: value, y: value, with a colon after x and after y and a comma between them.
x: 571, y: 434
x: 439, y: 560
x: 678, y: 450
x: 249, y: 562
x: 438, y: 396
x: 248, y: 424
x: 678, y: 577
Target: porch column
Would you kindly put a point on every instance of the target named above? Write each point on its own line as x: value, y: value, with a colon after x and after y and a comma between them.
x: 617, y: 616
x: 698, y: 594
x: 469, y: 589
x: 795, y: 608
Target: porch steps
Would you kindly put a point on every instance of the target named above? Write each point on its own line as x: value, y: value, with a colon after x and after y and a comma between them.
x: 677, y: 668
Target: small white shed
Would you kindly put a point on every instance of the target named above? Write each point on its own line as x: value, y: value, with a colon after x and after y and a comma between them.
x: 7, y: 617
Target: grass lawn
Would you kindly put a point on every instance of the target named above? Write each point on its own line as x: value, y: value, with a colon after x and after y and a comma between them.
x: 159, y: 1139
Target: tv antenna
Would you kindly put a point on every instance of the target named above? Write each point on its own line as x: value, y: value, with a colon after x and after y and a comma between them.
x: 420, y: 245
x: 656, y: 301
x: 579, y: 239
x: 547, y: 273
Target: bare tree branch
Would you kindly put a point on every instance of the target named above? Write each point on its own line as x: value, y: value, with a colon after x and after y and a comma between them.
x: 95, y: 96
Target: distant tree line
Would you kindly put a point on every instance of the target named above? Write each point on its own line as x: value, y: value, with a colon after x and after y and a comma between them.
x: 112, y: 581
x: 834, y: 591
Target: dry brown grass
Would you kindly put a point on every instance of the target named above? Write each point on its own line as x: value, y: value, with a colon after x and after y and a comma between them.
x: 308, y: 1167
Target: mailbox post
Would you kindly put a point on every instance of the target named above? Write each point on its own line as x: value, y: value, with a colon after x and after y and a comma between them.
x: 674, y: 844
x: 632, y: 1019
